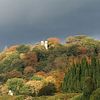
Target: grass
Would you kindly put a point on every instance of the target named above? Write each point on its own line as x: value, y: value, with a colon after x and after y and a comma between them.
x: 59, y: 96
x: 77, y: 97
x: 7, y: 97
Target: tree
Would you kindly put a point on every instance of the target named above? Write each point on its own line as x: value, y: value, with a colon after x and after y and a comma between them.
x: 31, y: 58
x: 18, y: 64
x: 75, y: 77
x: 48, y: 89
x: 95, y: 95
x: 18, y: 86
x: 73, y: 50
x: 54, y: 40
x: 23, y: 49
x: 13, y: 74
x: 88, y: 87
x: 6, y: 64
x: 15, y: 84
x: 41, y: 53
x: 29, y: 71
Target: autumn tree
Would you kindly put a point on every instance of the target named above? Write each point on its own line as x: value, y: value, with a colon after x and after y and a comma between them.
x: 29, y: 71
x: 31, y: 58
x: 54, y: 40
x: 13, y: 74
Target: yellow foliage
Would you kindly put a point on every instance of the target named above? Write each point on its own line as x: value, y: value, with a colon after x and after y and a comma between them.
x: 50, y: 79
x: 22, y: 56
x: 3, y: 89
x: 37, y: 85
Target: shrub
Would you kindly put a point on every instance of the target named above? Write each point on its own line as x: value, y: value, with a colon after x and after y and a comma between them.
x: 88, y: 86
x: 42, y: 54
x: 37, y: 78
x: 50, y: 79
x: 3, y: 78
x: 48, y: 89
x: 41, y: 73
x: 35, y: 86
x: 54, y: 40
x: 25, y: 90
x: 23, y: 49
x: 12, y: 48
x: 18, y: 86
x: 73, y: 50
x: 13, y: 74
x: 30, y: 58
x: 95, y: 95
x: 6, y: 64
x: 58, y: 76
x: 15, y: 84
x: 20, y: 97
x: 29, y: 71
x: 60, y: 62
x: 42, y: 65
x: 18, y: 64
x: 3, y: 89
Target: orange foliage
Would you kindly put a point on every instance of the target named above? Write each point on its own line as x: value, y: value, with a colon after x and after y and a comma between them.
x: 12, y: 48
x: 54, y: 40
x: 29, y: 69
x: 41, y: 73
x: 2, y: 56
x: 31, y: 58
x: 83, y: 50
x: 50, y: 79
x: 59, y: 76
x: 13, y: 74
x: 88, y: 60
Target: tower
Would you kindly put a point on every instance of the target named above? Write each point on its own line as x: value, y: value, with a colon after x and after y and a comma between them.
x: 45, y: 44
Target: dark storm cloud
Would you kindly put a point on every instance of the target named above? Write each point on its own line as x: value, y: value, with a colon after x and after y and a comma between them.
x: 23, y: 21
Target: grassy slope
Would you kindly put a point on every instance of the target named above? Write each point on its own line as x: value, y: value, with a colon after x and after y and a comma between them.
x: 60, y: 96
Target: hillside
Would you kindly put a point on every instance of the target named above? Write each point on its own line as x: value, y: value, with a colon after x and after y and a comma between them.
x: 34, y: 70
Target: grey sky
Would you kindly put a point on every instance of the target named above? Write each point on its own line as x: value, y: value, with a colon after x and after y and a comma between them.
x: 29, y: 21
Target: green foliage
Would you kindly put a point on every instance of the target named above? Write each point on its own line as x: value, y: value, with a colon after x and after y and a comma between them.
x: 15, y: 84
x: 95, y: 95
x: 42, y: 54
x: 3, y: 78
x: 48, y: 89
x: 23, y: 49
x: 20, y: 97
x: 18, y: 64
x: 36, y: 78
x: 6, y: 64
x: 57, y: 57
x: 73, y: 50
x: 88, y: 86
x: 25, y: 90
x: 74, y: 79
x: 78, y: 97
x: 43, y: 66
x: 18, y: 86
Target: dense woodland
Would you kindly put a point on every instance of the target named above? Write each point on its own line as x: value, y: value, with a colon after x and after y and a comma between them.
x: 72, y: 67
